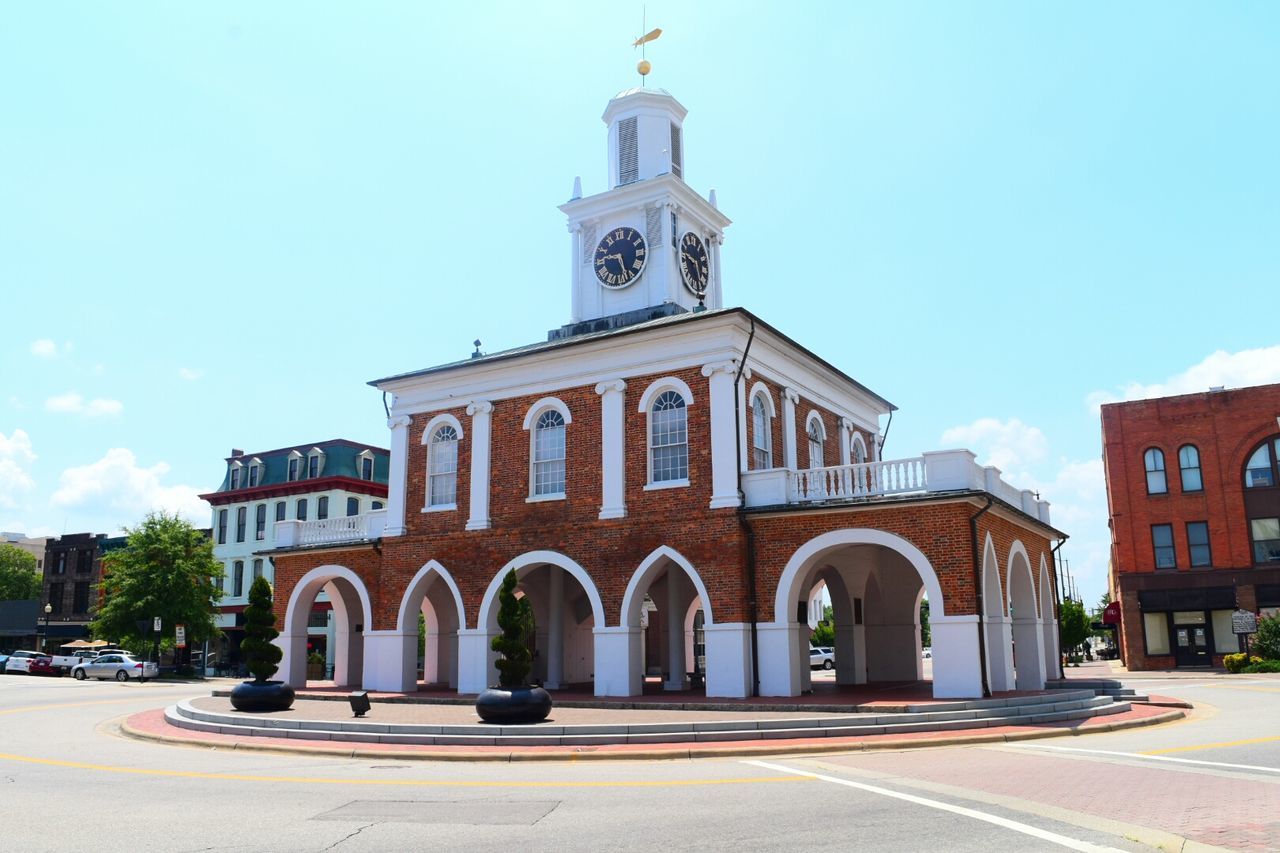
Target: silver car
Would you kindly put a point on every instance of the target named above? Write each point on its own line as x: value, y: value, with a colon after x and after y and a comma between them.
x: 121, y: 667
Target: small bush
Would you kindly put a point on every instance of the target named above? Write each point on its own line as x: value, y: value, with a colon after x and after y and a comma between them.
x: 315, y: 657
x: 1263, y: 666
x: 1237, y: 663
x: 1267, y: 641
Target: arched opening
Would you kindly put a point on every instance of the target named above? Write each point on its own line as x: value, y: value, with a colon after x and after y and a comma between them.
x: 566, y: 611
x: 662, y: 599
x: 1049, y: 624
x: 430, y: 615
x: 825, y: 581
x: 996, y: 627
x: 352, y: 616
x: 885, y: 577
x: 1024, y: 609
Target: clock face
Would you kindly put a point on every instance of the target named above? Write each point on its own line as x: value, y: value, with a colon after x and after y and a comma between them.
x: 693, y: 263
x: 620, y: 257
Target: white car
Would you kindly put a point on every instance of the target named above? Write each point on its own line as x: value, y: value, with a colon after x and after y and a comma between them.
x: 822, y: 656
x: 121, y: 667
x: 926, y: 653
x: 21, y: 661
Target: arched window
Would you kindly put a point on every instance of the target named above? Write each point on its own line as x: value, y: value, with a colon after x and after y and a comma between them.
x: 761, y: 434
x: 301, y: 515
x: 548, y: 454
x: 442, y: 468
x: 1189, y: 466
x: 1153, y: 461
x: 353, y: 507
x: 859, y: 449
x: 1260, y: 471
x: 817, y: 437
x: 668, y: 439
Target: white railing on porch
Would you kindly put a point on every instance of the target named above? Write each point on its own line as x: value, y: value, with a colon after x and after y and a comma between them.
x: 324, y: 531
x: 865, y: 480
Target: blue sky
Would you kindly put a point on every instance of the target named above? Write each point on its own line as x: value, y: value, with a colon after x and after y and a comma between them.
x: 219, y: 222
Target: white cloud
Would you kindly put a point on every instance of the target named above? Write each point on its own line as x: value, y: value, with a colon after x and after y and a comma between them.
x: 116, y: 482
x: 1230, y: 369
x: 1004, y: 444
x: 44, y: 348
x: 16, y: 457
x: 189, y: 373
x: 73, y: 403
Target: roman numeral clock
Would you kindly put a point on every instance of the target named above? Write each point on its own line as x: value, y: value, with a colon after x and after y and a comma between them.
x: 620, y: 257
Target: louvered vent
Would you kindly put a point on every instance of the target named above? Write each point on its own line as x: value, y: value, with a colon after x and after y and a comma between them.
x: 628, y: 152
x: 675, y: 230
x: 588, y: 243
x: 677, y: 154
x: 653, y: 225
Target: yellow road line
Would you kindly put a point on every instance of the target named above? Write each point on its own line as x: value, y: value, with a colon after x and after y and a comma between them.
x: 1221, y: 745
x: 74, y: 704
x: 402, y: 783
x: 1246, y: 687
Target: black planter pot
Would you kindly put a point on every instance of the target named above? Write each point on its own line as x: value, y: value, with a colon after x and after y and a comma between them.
x: 504, y: 705
x: 258, y: 697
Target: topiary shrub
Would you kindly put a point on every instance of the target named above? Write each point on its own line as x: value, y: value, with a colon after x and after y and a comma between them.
x: 260, y: 653
x: 515, y: 618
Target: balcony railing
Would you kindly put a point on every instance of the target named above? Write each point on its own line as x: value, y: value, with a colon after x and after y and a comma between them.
x: 868, y: 479
x: 328, y: 531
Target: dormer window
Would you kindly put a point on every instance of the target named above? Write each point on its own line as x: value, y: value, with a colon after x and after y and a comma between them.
x: 255, y: 472
x: 364, y: 465
x: 315, y: 463
x: 236, y: 471
x: 293, y: 468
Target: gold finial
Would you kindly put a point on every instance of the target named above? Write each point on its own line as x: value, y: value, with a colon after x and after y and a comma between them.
x: 643, y: 65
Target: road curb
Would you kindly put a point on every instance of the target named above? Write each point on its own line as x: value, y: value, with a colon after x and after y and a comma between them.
x: 674, y: 753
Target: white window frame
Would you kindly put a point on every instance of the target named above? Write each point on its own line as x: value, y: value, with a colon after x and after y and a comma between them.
x: 760, y: 391
x: 810, y: 420
x: 427, y: 433
x: 530, y: 425
x: 302, y: 466
x: 314, y: 453
x: 856, y: 445
x: 373, y: 467
x: 651, y: 394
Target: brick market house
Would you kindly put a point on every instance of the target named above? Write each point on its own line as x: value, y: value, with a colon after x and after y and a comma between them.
x: 1193, y: 486
x: 673, y: 482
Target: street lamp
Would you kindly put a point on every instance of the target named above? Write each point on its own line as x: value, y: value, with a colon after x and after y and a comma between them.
x: 44, y: 641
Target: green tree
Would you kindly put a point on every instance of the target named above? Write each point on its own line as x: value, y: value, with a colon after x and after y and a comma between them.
x: 926, y: 634
x: 1266, y: 643
x: 166, y: 569
x: 19, y: 579
x: 1074, y: 624
x: 825, y: 633
x: 515, y: 618
x: 261, y: 655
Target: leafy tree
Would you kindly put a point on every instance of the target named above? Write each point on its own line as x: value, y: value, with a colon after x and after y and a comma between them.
x: 261, y: 655
x: 926, y: 634
x: 1266, y: 643
x: 1074, y: 624
x: 825, y: 633
x: 19, y: 579
x: 166, y: 569
x: 515, y: 618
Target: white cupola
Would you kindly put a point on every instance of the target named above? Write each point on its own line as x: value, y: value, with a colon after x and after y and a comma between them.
x: 645, y: 136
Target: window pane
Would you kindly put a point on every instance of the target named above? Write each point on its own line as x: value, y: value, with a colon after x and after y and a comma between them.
x: 1224, y: 641
x: 669, y: 448
x: 1162, y: 542
x: 1153, y: 461
x: 1198, y: 542
x: 442, y: 468
x: 1156, y: 628
x: 1258, y: 470
x: 280, y: 510
x: 1266, y: 539
x: 549, y: 454
x: 353, y: 506
x: 1155, y: 483
x: 1189, y: 463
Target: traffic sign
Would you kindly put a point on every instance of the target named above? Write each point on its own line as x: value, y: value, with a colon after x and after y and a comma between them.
x: 156, y: 626
x: 181, y: 641
x: 1244, y: 622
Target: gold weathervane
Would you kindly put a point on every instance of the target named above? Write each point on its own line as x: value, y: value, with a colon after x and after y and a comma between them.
x: 643, y: 65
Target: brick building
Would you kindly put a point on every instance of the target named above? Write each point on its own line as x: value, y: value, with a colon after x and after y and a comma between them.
x: 672, y: 481
x: 1193, y: 487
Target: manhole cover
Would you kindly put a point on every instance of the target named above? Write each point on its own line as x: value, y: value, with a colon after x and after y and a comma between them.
x: 470, y: 813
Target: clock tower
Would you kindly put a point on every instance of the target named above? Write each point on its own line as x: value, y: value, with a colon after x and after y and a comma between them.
x: 649, y: 245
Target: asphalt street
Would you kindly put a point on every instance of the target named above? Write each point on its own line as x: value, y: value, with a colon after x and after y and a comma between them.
x: 70, y: 781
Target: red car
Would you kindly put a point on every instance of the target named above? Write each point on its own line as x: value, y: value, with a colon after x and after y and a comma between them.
x: 43, y: 666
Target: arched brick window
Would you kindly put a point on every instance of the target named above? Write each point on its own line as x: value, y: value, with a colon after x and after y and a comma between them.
x: 1189, y: 467
x: 668, y: 439
x: 1153, y: 462
x: 442, y: 468
x: 761, y: 433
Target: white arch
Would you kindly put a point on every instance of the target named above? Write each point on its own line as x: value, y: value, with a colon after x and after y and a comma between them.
x: 411, y: 603
x: 858, y: 442
x: 633, y: 597
x: 855, y: 536
x: 313, y: 581
x: 761, y: 390
x: 815, y: 416
x: 1018, y: 549
x: 537, y: 558
x: 666, y: 383
x: 531, y: 416
x: 989, y: 548
x: 438, y: 421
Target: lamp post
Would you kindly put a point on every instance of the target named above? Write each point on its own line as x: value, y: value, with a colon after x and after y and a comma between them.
x: 44, y: 641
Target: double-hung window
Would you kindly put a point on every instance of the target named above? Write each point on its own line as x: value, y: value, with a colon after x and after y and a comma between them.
x: 322, y: 507
x: 260, y: 522
x: 237, y: 578
x: 242, y: 515
x: 442, y: 468
x: 1189, y: 466
x: 353, y: 507
x: 1162, y: 544
x: 761, y: 434
x: 669, y: 439
x: 549, y: 454
x: 222, y: 527
x: 817, y: 438
x: 1198, y: 544
x: 302, y: 509
x: 1153, y: 462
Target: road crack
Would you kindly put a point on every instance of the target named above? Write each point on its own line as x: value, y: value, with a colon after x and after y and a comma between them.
x: 350, y: 836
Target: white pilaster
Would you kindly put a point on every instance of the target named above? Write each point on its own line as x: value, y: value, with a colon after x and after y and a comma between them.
x: 846, y: 440
x: 728, y: 659
x: 1028, y: 637
x: 715, y: 298
x: 474, y: 673
x: 397, y: 475
x: 575, y: 266
x: 617, y: 661
x: 613, y: 501
x: 555, y: 628
x: 781, y: 648
x: 390, y: 664
x: 956, y: 670
x: 724, y: 446
x: 293, y: 666
x: 481, y: 413
x: 789, y: 400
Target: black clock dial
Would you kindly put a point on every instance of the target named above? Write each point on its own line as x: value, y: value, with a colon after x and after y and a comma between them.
x: 693, y: 263
x: 620, y: 257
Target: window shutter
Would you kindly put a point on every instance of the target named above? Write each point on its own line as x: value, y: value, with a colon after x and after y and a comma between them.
x: 628, y: 152
x: 653, y: 225
x: 677, y: 156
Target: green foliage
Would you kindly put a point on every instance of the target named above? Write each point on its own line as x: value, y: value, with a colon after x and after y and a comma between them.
x: 1237, y: 662
x: 166, y: 569
x: 1267, y: 641
x: 926, y: 634
x: 19, y: 579
x: 515, y: 618
x: 824, y: 634
x: 315, y: 658
x: 1263, y: 666
x: 1074, y: 623
x: 261, y: 655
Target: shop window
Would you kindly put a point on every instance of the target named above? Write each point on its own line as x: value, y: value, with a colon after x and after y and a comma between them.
x: 1224, y: 639
x: 1198, y: 543
x: 1155, y: 628
x: 1162, y: 544
x: 1153, y: 462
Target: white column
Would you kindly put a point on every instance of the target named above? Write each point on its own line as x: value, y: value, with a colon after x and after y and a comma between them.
x: 474, y: 672
x: 956, y: 670
x: 293, y: 666
x: 397, y: 480
x: 390, y: 663
x: 673, y: 617
x: 1028, y: 638
x: 789, y: 400
x: 480, y: 412
x: 613, y: 502
x: 555, y: 628
x: 724, y: 445
x: 784, y: 657
x: 715, y: 299
x: 575, y: 270
x: 617, y: 661
x: 999, y: 642
x: 846, y: 439
x: 728, y: 659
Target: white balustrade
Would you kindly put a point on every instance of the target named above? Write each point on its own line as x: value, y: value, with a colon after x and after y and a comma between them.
x: 319, y: 531
x: 868, y: 479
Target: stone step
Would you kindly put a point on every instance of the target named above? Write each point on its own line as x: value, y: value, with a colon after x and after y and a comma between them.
x: 186, y: 716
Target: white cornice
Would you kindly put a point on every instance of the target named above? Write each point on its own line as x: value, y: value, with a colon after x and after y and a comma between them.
x: 640, y: 194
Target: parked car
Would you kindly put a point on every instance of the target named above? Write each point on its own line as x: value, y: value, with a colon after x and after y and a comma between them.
x: 926, y: 653
x: 43, y: 665
x: 4, y: 658
x: 121, y: 667
x: 822, y: 656
x: 21, y: 661
x: 64, y: 663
